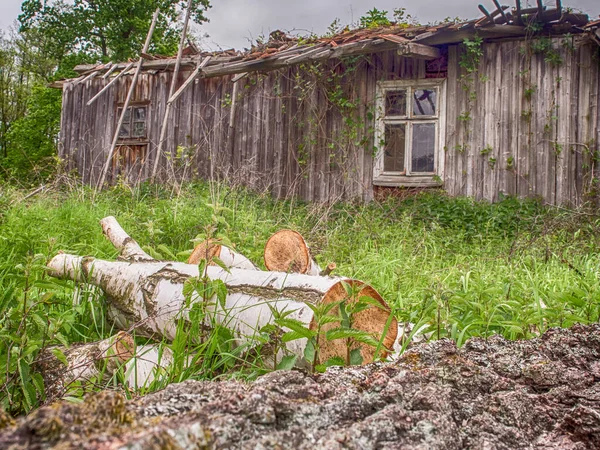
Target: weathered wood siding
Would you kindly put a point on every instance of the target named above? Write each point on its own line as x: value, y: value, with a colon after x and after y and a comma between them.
x: 528, y: 125
x: 279, y: 131
x: 522, y: 127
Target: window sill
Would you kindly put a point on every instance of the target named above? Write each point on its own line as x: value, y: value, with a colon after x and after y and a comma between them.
x: 404, y: 181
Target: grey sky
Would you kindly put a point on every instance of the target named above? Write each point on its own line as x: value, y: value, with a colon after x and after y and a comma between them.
x: 234, y: 22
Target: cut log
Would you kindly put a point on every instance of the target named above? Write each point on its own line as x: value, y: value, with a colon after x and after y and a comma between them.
x: 287, y: 251
x: 86, y: 363
x: 212, y: 248
x: 150, y: 297
x: 128, y: 248
x: 149, y: 362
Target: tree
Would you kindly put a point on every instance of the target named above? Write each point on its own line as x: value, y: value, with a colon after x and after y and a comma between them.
x: 106, y: 29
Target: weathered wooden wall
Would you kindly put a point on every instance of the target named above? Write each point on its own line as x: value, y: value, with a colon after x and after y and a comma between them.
x: 278, y: 131
x: 533, y: 124
x: 531, y: 128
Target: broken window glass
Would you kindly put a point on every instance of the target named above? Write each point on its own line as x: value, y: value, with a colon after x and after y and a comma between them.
x: 395, y: 147
x: 424, y: 102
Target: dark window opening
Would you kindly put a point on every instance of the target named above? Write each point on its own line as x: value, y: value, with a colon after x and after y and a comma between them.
x: 134, y: 122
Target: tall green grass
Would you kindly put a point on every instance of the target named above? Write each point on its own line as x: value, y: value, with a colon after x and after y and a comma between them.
x: 456, y: 267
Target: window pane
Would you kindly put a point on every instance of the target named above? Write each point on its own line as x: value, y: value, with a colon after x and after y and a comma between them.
x: 393, y: 156
x: 140, y: 114
x: 125, y: 130
x: 424, y: 102
x: 127, y: 117
x: 139, y: 129
x: 423, y: 147
x: 395, y: 103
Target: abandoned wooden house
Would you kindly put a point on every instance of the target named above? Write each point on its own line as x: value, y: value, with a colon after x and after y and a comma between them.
x: 502, y: 105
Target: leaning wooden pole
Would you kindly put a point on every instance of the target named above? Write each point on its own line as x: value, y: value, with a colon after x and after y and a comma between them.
x: 127, y: 101
x: 163, y: 128
x: 150, y: 297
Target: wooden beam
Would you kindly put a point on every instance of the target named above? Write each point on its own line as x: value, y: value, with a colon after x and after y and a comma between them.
x: 112, y: 68
x: 114, y: 80
x: 163, y: 128
x: 189, y: 80
x: 419, y: 51
x: 501, y: 9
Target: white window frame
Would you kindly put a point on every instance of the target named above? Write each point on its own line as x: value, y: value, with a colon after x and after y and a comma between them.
x: 408, y: 178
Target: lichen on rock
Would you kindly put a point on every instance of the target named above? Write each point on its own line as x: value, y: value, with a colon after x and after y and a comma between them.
x: 492, y: 394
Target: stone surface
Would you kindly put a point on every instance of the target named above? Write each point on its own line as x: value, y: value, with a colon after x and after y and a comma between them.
x: 490, y: 394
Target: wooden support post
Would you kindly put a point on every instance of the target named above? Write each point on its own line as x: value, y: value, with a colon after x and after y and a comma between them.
x: 501, y: 9
x: 110, y: 70
x: 113, y: 81
x: 518, y: 13
x: 485, y: 13
x: 540, y: 8
x: 127, y: 101
x: 189, y: 80
x: 163, y: 128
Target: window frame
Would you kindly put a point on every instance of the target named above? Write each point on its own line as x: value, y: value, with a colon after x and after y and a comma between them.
x: 131, y: 139
x: 408, y: 177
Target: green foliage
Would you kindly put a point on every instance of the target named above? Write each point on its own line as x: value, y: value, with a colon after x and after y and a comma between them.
x: 107, y: 28
x: 374, y: 18
x: 469, y: 60
x: 31, y: 141
x: 454, y: 267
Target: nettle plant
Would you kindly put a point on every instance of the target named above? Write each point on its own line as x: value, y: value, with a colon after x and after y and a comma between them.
x: 333, y: 321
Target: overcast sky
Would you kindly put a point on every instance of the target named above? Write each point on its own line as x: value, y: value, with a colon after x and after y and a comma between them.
x: 234, y: 22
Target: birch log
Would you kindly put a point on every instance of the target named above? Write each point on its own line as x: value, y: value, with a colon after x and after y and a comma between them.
x: 150, y: 297
x: 287, y: 251
x: 148, y: 364
x: 212, y: 248
x: 128, y: 248
x: 86, y: 363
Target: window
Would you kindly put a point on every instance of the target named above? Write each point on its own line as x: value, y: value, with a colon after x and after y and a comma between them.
x: 408, y: 132
x: 134, y: 122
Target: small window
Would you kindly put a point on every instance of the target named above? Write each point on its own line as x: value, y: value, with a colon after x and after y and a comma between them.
x: 408, y: 132
x: 134, y: 122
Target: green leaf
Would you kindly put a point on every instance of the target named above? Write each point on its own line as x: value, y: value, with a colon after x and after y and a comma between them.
x: 219, y: 262
x: 309, y: 351
x: 292, y: 336
x: 287, y: 362
x: 297, y: 326
x: 58, y: 354
x: 356, y: 358
x: 335, y: 361
x: 351, y: 333
x: 320, y: 368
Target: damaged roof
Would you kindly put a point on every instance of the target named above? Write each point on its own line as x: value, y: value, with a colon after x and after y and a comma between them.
x: 282, y: 50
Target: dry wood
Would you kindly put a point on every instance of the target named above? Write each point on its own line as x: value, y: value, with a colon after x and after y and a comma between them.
x: 287, y: 251
x: 129, y: 249
x: 114, y: 80
x: 213, y: 248
x: 128, y: 100
x: 86, y: 363
x: 163, y: 128
x: 149, y: 297
x: 148, y: 363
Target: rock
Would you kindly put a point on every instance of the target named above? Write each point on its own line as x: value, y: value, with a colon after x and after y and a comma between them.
x: 490, y: 394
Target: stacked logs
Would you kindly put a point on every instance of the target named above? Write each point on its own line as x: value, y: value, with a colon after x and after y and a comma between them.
x: 147, y: 296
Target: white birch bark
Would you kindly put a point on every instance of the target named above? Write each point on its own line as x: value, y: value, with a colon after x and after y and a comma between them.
x: 149, y: 296
x: 92, y: 362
